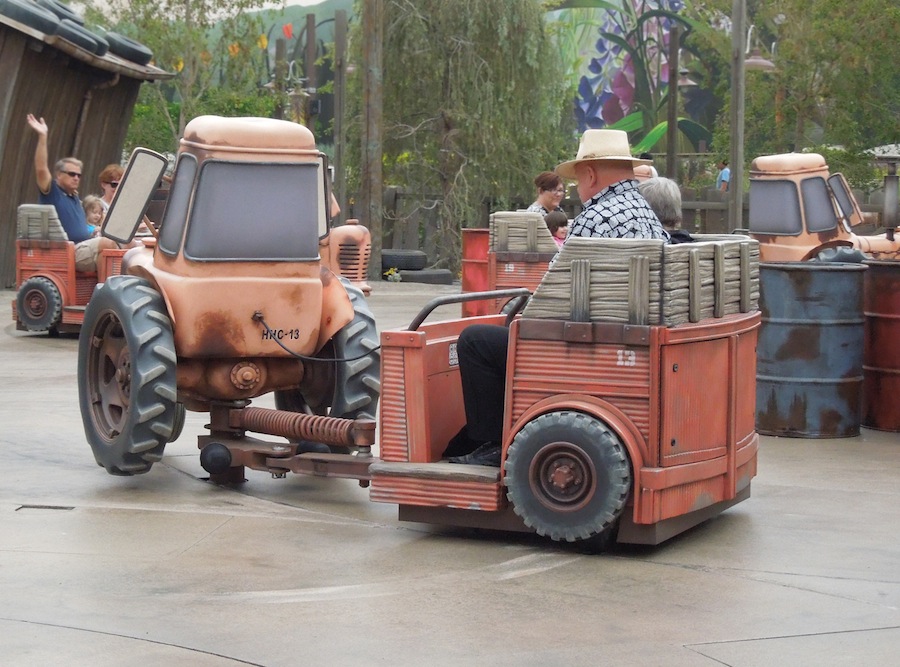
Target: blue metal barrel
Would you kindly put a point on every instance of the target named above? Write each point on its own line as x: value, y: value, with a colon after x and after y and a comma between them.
x: 809, y: 369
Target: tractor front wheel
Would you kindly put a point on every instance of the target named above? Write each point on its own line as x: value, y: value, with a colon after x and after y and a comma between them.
x: 568, y: 476
x: 126, y: 376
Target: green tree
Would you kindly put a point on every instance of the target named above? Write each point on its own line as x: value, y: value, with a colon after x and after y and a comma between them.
x: 205, y: 42
x: 475, y: 105
x: 834, y: 84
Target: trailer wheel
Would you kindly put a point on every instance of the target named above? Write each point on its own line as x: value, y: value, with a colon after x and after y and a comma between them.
x: 39, y: 304
x: 126, y: 375
x: 357, y: 383
x: 568, y: 476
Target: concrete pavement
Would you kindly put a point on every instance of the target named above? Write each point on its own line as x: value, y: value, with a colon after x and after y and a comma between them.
x: 165, y: 569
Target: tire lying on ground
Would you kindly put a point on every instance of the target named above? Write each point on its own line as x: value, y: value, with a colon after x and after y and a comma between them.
x: 408, y: 260
x: 127, y: 48
x: 31, y: 15
x: 428, y: 276
x: 62, y: 10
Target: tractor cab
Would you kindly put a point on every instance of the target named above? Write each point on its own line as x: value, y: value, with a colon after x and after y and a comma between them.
x: 798, y: 210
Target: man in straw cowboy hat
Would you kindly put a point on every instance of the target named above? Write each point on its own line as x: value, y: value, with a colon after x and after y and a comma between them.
x: 613, y: 205
x: 614, y: 208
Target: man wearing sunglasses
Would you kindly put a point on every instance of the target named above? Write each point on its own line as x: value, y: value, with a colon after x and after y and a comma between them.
x: 62, y: 193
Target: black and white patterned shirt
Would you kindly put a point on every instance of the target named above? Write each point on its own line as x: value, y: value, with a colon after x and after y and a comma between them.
x: 537, y: 208
x: 619, y: 212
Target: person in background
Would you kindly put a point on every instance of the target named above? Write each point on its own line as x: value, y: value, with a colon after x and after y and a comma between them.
x: 550, y: 193
x: 613, y: 208
x: 62, y: 193
x: 723, y: 179
x: 109, y: 181
x: 94, y: 212
x: 648, y: 156
x: 558, y: 224
x: 664, y: 197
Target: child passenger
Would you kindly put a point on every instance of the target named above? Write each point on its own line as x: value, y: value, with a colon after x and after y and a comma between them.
x: 558, y: 224
x: 94, y: 213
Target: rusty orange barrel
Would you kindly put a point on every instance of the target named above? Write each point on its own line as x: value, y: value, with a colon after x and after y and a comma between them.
x: 881, y: 356
x: 475, y: 274
x: 810, y: 351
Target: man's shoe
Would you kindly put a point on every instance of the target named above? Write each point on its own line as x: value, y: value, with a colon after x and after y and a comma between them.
x: 488, y: 454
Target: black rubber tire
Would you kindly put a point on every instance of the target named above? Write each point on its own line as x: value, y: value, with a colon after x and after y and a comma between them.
x: 78, y: 35
x: 580, y: 451
x: 126, y: 375
x: 178, y: 425
x: 102, y: 45
x: 403, y: 260
x: 62, y: 10
x: 31, y: 15
x: 39, y: 304
x: 841, y: 254
x: 427, y: 276
x: 128, y: 48
x: 357, y: 383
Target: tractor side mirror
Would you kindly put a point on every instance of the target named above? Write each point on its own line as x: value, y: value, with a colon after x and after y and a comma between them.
x: 142, y: 176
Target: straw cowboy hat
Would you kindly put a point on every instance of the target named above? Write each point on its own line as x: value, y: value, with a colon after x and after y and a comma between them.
x: 600, y: 145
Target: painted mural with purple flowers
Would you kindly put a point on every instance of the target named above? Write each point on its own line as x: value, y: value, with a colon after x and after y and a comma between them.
x: 620, y: 51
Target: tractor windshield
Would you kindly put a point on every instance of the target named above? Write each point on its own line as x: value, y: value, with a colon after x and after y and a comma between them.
x: 775, y: 208
x: 256, y: 211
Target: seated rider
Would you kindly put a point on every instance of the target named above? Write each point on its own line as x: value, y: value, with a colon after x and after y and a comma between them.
x: 558, y: 224
x: 664, y: 198
x: 62, y: 193
x: 613, y: 208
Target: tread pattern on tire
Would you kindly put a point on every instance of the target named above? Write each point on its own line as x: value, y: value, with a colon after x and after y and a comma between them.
x: 357, y: 383
x: 609, y: 458
x: 53, y: 303
x: 151, y: 415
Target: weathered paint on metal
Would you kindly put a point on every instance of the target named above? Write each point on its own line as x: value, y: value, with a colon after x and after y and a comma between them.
x: 809, y: 365
x: 881, y: 355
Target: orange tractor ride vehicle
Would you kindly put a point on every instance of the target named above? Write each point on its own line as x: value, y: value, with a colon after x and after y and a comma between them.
x: 629, y: 408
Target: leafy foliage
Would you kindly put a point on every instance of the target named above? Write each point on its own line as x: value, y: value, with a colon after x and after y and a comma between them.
x: 474, y: 106
x: 205, y: 42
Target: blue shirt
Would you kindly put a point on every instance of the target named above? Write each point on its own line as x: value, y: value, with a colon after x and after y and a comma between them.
x: 70, y: 212
x: 723, y: 177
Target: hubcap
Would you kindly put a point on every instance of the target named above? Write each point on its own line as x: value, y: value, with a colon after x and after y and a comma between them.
x: 562, y: 477
x: 109, y: 377
x: 36, y: 303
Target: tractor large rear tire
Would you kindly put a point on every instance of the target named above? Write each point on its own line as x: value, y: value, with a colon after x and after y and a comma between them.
x: 126, y: 375
x: 357, y: 383
x: 568, y: 476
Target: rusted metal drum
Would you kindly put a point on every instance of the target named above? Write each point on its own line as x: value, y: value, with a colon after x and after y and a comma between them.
x: 881, y: 356
x: 475, y: 274
x: 810, y: 351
